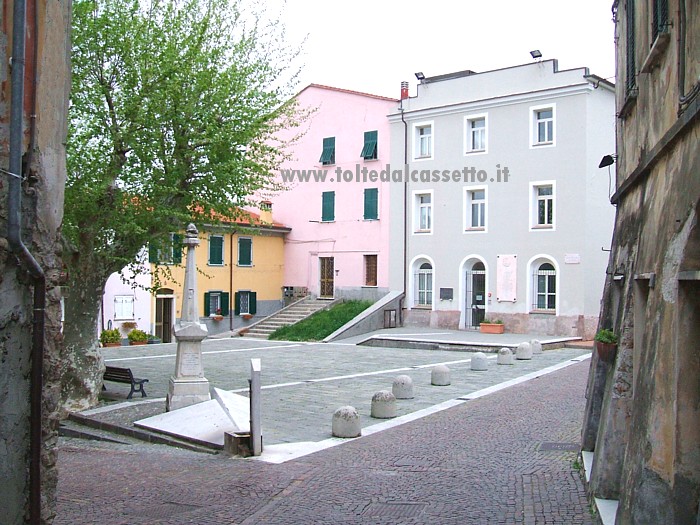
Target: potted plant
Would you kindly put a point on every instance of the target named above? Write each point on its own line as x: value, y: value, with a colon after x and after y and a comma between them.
x: 137, y: 337
x: 247, y: 317
x: 218, y: 316
x: 153, y: 340
x: 606, y: 345
x: 488, y: 327
x: 129, y: 325
x: 111, y: 337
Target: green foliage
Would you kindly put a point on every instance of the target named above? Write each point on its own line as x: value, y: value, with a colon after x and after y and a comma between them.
x: 321, y: 324
x: 488, y: 321
x: 137, y: 336
x: 606, y: 336
x: 174, y: 109
x: 110, y: 336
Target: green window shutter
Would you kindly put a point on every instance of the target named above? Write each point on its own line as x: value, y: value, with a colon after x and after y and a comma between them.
x: 207, y: 301
x: 252, y: 302
x: 225, y: 300
x: 245, y: 251
x: 369, y: 150
x: 328, y: 153
x: 177, y: 248
x: 371, y: 203
x: 216, y: 250
x: 328, y: 206
x: 237, y: 303
x: 152, y: 253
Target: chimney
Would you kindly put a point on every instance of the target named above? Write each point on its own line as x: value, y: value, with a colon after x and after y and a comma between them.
x: 266, y: 212
x: 404, y: 90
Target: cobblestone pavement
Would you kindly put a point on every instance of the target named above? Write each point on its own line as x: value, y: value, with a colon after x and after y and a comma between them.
x: 498, y: 459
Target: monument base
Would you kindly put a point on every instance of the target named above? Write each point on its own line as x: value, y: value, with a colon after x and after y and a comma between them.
x: 186, y: 392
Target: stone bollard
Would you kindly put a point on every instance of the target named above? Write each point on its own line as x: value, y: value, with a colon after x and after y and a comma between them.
x: 536, y: 346
x: 479, y: 362
x: 505, y: 356
x: 440, y: 376
x: 402, y: 387
x: 383, y: 405
x: 346, y: 423
x: 524, y: 351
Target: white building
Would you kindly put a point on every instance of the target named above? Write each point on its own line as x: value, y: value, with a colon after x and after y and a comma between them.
x: 506, y: 213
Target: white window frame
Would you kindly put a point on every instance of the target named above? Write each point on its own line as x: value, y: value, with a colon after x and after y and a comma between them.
x: 532, y: 268
x: 468, y: 202
x: 534, y: 205
x: 418, y: 207
x: 417, y: 140
x: 121, y: 310
x: 214, y: 300
x: 469, y: 148
x: 240, y: 299
x: 534, y: 126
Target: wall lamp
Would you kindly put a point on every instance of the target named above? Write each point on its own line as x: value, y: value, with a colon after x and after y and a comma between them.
x: 420, y: 76
x: 535, y: 53
x: 607, y: 160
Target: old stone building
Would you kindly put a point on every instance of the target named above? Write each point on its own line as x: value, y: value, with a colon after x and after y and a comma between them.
x: 643, y: 410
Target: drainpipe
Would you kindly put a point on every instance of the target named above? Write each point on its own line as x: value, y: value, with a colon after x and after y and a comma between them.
x: 404, y: 96
x: 230, y: 284
x: 14, y: 236
x: 683, y: 98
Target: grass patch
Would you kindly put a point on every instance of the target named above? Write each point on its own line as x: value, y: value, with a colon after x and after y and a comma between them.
x: 321, y: 324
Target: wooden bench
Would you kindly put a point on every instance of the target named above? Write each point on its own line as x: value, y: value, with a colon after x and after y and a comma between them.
x: 124, y: 375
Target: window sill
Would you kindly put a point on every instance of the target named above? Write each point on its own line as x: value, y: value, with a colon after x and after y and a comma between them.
x: 375, y: 159
x: 370, y: 220
x: 369, y: 286
x: 244, y: 265
x: 474, y: 151
x: 427, y: 157
x: 542, y: 227
x: 326, y: 222
x: 656, y: 52
x: 471, y: 230
x: 543, y: 144
x: 422, y: 232
x: 422, y: 307
x: 628, y: 105
x: 544, y: 312
x: 216, y: 265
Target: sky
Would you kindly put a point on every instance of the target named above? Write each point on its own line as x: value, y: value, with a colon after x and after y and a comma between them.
x: 372, y: 45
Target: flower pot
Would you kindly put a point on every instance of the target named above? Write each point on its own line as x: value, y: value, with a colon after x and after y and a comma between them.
x: 111, y: 345
x: 606, y: 351
x: 154, y: 341
x: 137, y: 343
x: 218, y: 318
x: 247, y: 317
x: 491, y: 328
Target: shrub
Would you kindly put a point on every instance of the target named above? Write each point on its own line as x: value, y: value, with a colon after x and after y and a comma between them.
x: 110, y: 336
x: 137, y: 336
x: 606, y: 336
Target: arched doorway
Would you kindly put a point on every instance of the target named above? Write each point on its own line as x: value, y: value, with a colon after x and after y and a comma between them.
x: 164, y: 315
x: 475, y: 295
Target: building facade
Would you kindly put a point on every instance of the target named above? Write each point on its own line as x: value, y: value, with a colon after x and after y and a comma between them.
x: 499, y: 211
x: 336, y: 199
x: 643, y: 410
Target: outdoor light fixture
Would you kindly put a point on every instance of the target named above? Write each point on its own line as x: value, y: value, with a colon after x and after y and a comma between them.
x: 536, y: 53
x: 420, y: 76
x: 607, y: 160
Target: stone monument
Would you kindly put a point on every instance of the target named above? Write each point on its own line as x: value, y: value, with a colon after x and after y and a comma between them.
x: 189, y: 386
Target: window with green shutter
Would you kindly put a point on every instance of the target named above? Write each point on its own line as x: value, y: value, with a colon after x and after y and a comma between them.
x: 245, y: 302
x: 328, y: 153
x: 245, y: 251
x: 216, y: 303
x: 369, y: 150
x: 371, y: 204
x: 176, y: 248
x: 216, y: 250
x: 328, y: 206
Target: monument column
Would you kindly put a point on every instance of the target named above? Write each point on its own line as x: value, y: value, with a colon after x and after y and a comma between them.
x: 189, y: 386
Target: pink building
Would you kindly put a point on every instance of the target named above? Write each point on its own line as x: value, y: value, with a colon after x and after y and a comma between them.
x: 337, y: 198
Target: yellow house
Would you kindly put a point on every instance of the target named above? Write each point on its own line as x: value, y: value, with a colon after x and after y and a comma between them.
x: 240, y: 269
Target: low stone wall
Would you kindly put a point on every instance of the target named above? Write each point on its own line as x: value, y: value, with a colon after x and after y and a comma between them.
x: 371, y: 319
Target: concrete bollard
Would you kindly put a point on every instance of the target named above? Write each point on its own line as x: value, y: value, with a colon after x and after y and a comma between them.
x: 402, y: 387
x: 479, y: 362
x: 524, y: 351
x: 346, y: 423
x: 536, y: 346
x: 440, y: 376
x: 383, y: 405
x: 505, y: 356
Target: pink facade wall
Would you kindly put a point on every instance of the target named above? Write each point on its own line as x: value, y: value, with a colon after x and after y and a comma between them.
x: 346, y: 116
x: 115, y: 287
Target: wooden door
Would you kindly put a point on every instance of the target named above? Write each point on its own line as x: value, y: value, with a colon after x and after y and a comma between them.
x: 327, y: 272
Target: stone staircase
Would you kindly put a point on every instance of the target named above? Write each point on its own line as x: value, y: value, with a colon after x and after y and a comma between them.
x: 288, y: 315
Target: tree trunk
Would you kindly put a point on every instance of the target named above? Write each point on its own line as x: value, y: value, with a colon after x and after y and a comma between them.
x: 83, y: 365
x: 47, y: 84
